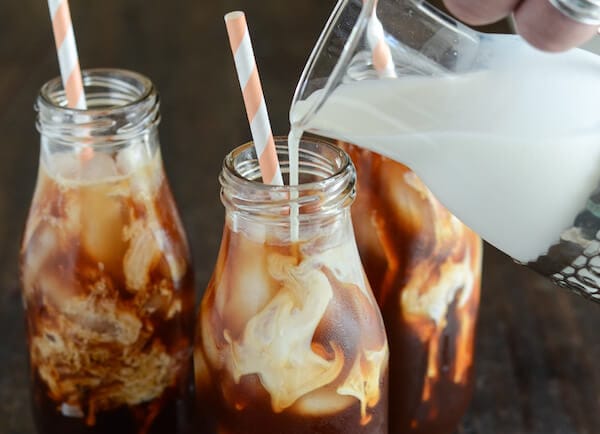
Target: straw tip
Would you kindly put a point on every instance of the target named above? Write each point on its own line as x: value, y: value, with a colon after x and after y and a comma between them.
x: 234, y: 15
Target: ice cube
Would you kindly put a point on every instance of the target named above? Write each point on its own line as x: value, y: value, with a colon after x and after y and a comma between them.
x: 142, y: 254
x: 64, y: 165
x: 103, y: 218
x: 249, y: 288
x: 175, y: 263
x: 99, y: 167
x: 322, y: 402
x: 131, y: 158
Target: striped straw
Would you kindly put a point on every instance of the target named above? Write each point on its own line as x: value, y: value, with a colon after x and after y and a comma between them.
x: 382, y: 56
x: 66, y: 48
x: 254, y: 100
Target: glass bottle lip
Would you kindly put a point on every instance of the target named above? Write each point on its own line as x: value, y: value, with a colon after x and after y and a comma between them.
x: 121, y: 105
x: 329, y: 184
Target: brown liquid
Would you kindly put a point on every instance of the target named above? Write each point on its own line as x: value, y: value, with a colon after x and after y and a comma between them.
x: 285, y: 346
x: 109, y: 290
x: 424, y: 268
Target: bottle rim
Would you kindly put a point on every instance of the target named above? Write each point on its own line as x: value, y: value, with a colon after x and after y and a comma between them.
x: 122, y: 104
x: 327, y: 182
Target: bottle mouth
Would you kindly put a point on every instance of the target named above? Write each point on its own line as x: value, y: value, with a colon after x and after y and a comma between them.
x: 326, y: 186
x: 121, y: 105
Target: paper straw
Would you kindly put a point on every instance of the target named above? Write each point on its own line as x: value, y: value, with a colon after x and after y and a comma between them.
x: 381, y: 53
x: 254, y: 100
x: 66, y: 48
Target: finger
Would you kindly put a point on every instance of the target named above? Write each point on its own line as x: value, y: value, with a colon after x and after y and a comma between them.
x: 479, y: 12
x: 548, y: 29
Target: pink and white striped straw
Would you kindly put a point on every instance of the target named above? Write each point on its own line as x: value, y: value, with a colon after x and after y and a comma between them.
x: 254, y: 100
x: 381, y: 53
x: 66, y: 48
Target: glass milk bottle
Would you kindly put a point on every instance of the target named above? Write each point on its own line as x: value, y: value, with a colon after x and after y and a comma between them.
x: 289, y: 336
x: 424, y: 266
x: 105, y: 267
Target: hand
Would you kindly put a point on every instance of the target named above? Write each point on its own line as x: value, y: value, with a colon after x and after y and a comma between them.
x: 538, y: 21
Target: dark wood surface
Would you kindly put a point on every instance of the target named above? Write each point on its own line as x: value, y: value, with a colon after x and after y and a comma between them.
x: 538, y: 348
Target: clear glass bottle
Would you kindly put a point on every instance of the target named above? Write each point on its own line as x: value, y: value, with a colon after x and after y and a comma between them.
x: 105, y: 267
x: 424, y: 266
x: 289, y: 336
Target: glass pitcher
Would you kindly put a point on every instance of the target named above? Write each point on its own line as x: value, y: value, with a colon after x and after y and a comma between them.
x: 424, y: 266
x: 289, y: 336
x: 105, y: 268
x: 505, y: 136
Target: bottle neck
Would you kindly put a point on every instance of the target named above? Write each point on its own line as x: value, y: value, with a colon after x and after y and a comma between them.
x: 116, y: 135
x: 122, y: 107
x: 319, y: 205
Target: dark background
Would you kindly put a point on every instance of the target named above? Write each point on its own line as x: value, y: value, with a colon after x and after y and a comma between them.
x: 538, y: 347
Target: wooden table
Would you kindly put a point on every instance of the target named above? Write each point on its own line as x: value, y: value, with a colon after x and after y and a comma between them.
x: 538, y: 347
